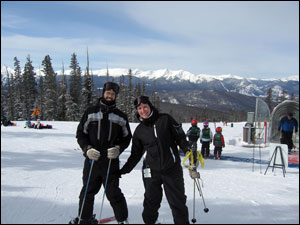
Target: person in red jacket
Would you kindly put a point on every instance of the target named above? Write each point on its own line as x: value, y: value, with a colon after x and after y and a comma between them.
x: 219, y: 143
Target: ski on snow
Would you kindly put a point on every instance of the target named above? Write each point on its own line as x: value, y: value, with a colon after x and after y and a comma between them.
x: 106, y: 220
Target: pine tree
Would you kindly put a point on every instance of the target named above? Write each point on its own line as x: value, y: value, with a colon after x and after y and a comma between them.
x: 3, y: 100
x: 41, y: 98
x: 10, y: 95
x: 62, y: 97
x: 122, y: 95
x: 19, y: 99
x: 269, y: 100
x: 29, y: 88
x: 283, y: 96
x: 87, y: 100
x: 75, y: 89
x: 130, y: 111
x: 50, y: 90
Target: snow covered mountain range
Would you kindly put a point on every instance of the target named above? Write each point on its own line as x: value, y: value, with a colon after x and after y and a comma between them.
x: 218, y: 92
x: 171, y: 80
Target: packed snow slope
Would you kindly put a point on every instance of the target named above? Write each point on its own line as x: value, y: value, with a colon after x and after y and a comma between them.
x: 41, y: 173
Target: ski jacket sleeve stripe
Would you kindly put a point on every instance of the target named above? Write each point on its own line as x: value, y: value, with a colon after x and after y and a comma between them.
x: 92, y: 117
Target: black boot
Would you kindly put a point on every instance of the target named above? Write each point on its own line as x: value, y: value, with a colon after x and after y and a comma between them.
x: 92, y: 220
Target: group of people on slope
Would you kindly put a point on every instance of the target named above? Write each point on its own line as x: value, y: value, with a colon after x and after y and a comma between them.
x: 206, y: 138
x: 37, y: 125
x: 104, y: 133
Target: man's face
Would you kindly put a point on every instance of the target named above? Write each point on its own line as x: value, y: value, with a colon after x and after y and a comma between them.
x: 109, y: 95
x: 144, y: 110
x: 289, y: 117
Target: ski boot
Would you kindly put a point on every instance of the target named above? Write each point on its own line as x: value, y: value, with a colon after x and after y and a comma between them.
x: 92, y: 220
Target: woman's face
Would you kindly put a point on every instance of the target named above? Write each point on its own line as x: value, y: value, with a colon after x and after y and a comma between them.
x: 144, y: 110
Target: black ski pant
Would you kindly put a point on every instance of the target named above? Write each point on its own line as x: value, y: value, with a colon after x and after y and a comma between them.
x: 287, y: 138
x: 113, y: 192
x: 173, y: 184
x: 217, y: 152
x: 205, y: 149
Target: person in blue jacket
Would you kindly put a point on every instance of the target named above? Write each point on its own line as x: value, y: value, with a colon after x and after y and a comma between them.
x: 287, y: 125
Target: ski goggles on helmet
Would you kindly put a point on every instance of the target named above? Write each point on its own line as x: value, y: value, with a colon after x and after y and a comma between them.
x: 111, y: 86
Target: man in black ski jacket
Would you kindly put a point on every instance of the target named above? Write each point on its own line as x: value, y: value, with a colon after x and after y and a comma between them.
x: 158, y: 135
x: 103, y: 134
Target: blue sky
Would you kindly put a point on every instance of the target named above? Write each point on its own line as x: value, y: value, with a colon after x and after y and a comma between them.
x: 249, y: 39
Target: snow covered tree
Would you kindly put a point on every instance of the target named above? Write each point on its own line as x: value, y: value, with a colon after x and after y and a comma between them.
x: 269, y: 100
x: 10, y: 95
x: 75, y: 88
x: 41, y: 98
x: 50, y: 90
x: 62, y: 97
x: 3, y: 100
x: 19, y: 99
x: 29, y: 88
x: 87, y: 90
x: 72, y: 110
x: 130, y: 110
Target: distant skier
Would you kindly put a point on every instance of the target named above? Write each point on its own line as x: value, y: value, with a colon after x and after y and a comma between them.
x: 193, y: 135
x: 158, y: 134
x: 36, y: 113
x: 205, y: 139
x: 218, y: 142
x: 287, y: 125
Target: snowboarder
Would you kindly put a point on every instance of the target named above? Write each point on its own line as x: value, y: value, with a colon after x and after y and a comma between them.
x: 218, y: 142
x: 287, y: 125
x: 205, y: 140
x: 193, y: 135
x: 158, y: 135
x: 103, y: 134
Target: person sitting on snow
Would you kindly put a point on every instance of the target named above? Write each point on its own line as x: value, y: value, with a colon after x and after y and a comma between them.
x: 39, y: 125
x: 29, y: 124
x: 6, y: 122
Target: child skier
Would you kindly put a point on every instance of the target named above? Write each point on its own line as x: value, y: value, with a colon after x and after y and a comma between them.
x: 193, y: 135
x: 218, y: 143
x: 205, y: 140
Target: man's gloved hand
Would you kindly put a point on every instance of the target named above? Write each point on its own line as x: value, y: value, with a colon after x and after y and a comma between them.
x: 193, y: 173
x: 93, y: 154
x: 113, y: 153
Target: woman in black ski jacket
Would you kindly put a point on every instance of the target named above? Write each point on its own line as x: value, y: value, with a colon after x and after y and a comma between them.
x: 158, y: 135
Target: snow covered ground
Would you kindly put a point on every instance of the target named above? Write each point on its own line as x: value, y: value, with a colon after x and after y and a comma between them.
x: 41, y: 174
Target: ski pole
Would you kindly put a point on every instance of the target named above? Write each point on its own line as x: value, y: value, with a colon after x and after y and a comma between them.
x: 107, y: 174
x: 194, y: 219
x: 201, y: 194
x: 85, y: 192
